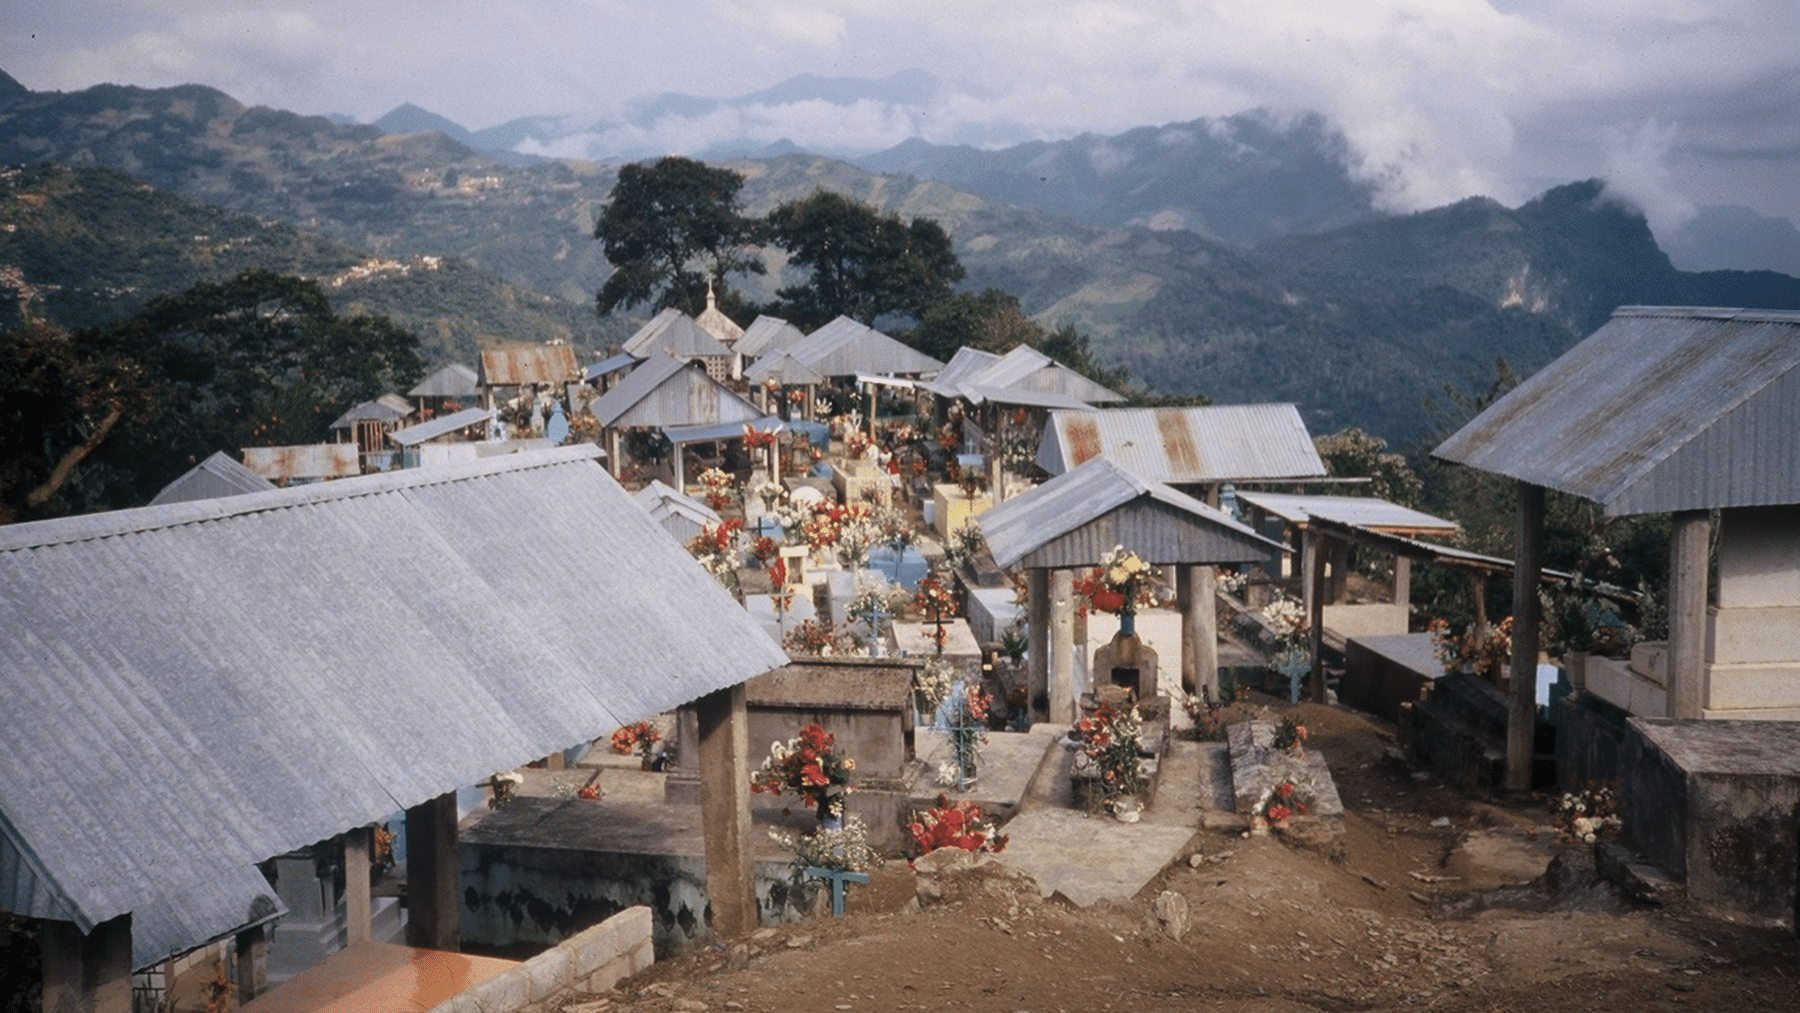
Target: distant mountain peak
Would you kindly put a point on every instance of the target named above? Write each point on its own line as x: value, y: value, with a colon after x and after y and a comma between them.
x: 407, y: 118
x: 10, y: 88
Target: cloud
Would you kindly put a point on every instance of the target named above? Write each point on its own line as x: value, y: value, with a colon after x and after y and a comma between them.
x: 1694, y: 100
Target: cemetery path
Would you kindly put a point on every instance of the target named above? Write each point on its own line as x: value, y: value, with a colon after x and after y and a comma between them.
x: 1430, y: 906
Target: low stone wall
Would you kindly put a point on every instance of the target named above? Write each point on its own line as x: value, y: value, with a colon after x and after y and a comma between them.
x: 591, y: 961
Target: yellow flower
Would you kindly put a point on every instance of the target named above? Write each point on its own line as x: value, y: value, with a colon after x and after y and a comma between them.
x: 1116, y: 575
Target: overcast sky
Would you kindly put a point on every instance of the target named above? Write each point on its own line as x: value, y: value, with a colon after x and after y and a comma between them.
x: 1679, y: 103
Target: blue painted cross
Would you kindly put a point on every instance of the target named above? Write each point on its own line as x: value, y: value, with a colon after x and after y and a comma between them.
x: 838, y: 878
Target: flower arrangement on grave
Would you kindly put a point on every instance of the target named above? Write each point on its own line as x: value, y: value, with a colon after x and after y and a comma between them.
x: 1122, y: 583
x: 846, y: 848
x: 1286, y: 797
x: 958, y: 824
x: 1210, y: 718
x: 796, y: 397
x: 896, y: 532
x: 1289, y: 737
x: 220, y: 993
x: 640, y: 738
x: 971, y: 481
x: 856, y: 445
x: 873, y: 604
x: 931, y: 684
x: 588, y: 793
x: 1107, y: 748
x: 857, y: 533
x: 504, y: 786
x: 720, y: 488
x: 1587, y: 816
x: 948, y: 439
x: 770, y: 493
x: 756, y: 439
x: 1290, y: 653
x: 964, y: 543
x: 763, y: 549
x: 381, y: 856
x: 962, y: 717
x: 933, y: 599
x: 810, y: 765
x: 1229, y: 581
x: 716, y: 547
x: 812, y: 636
x: 1468, y: 651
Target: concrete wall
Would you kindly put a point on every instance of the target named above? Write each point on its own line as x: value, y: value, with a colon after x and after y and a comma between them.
x: 1718, y: 803
x: 593, y: 960
x: 517, y: 894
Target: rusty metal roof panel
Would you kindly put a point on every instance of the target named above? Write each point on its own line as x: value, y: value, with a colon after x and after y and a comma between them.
x: 306, y: 462
x: 1075, y: 517
x: 516, y: 365
x: 844, y: 347
x: 1217, y: 443
x: 453, y: 380
x: 193, y: 688
x: 1662, y: 408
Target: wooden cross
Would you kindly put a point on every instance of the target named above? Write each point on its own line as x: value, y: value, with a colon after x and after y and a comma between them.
x: 838, y: 878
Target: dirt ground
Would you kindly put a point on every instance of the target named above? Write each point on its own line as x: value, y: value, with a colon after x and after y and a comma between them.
x: 1432, y: 906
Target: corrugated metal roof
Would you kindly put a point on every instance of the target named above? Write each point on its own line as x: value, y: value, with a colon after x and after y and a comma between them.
x: 454, y: 380
x: 675, y: 333
x: 378, y: 410
x: 193, y: 688
x: 1661, y: 409
x: 1074, y: 518
x: 307, y: 461
x: 679, y: 435
x: 1361, y: 511
x: 978, y: 394
x: 768, y: 334
x: 218, y: 475
x: 967, y: 364
x: 521, y: 364
x: 845, y: 347
x: 682, y: 516
x: 781, y: 367
x: 441, y: 426
x: 664, y: 392
x: 611, y: 364
x: 1217, y: 443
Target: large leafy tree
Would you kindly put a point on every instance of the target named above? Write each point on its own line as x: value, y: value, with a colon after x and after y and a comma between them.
x: 861, y: 263
x: 669, y: 228
x: 105, y: 417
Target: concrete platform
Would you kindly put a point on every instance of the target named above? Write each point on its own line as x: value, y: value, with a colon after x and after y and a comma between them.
x: 371, y: 977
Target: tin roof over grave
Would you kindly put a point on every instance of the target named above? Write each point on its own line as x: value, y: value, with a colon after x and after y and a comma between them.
x: 218, y: 475
x: 518, y: 365
x: 844, y: 347
x: 1661, y: 409
x: 673, y: 333
x: 1357, y: 511
x: 1075, y: 518
x: 453, y: 380
x: 664, y: 392
x: 768, y: 334
x: 1021, y: 376
x: 1218, y: 443
x: 196, y: 687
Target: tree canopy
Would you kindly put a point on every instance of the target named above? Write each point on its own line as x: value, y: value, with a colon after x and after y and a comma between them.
x: 861, y: 263
x: 668, y: 229
x: 104, y: 417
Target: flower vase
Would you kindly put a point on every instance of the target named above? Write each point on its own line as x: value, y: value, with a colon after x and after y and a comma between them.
x: 829, y: 808
x: 1127, y: 623
x: 1259, y: 826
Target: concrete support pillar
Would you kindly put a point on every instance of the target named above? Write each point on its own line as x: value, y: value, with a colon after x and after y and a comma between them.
x: 432, y: 917
x: 724, y: 734
x: 88, y: 973
x: 356, y: 845
x: 1313, y: 552
x: 1309, y: 549
x: 615, y: 453
x: 1528, y: 570
x: 1402, y: 580
x: 252, y: 963
x: 1062, y: 647
x: 1195, y: 592
x: 1037, y: 605
x: 1688, y: 558
x: 1084, y: 658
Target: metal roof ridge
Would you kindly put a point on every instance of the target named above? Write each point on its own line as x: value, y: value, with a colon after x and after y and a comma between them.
x: 134, y: 520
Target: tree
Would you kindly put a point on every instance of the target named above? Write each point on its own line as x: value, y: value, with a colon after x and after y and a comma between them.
x: 1352, y: 453
x: 667, y: 229
x: 58, y: 404
x: 862, y: 264
x: 990, y: 320
x: 104, y: 417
